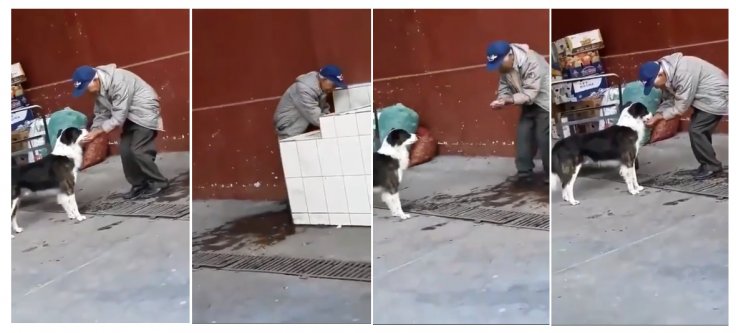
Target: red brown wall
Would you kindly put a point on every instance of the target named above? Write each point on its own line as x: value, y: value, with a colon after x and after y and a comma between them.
x: 154, y: 44
x: 634, y: 36
x: 433, y: 61
x: 243, y: 60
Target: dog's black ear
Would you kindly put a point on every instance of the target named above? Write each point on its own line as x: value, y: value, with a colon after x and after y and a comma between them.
x: 626, y: 105
x: 641, y: 109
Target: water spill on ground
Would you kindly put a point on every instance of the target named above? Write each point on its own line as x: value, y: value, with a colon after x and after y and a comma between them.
x: 519, y: 195
x: 250, y: 232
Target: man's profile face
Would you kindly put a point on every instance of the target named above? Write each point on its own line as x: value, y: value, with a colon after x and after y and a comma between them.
x: 661, y: 80
x: 508, y: 64
x: 94, y: 86
x: 326, y: 85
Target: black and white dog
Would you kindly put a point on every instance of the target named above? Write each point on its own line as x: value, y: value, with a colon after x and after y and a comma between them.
x: 618, y: 144
x: 389, y: 163
x: 56, y: 172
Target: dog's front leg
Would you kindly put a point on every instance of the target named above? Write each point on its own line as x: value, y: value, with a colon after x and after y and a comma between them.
x: 626, y: 174
x: 399, y: 209
x: 63, y: 200
x: 638, y: 187
x: 75, y: 208
x: 14, y: 218
x: 567, y: 191
x: 394, y: 204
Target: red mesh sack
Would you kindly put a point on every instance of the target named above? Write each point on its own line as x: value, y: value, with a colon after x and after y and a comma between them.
x: 424, y: 149
x: 664, y: 129
x: 95, y: 151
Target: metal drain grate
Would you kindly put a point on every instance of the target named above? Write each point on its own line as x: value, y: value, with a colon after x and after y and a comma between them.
x: 449, y: 211
x: 502, y: 217
x: 679, y: 181
x: 135, y: 208
x: 312, y: 268
x: 482, y: 214
x: 682, y: 181
x: 212, y: 260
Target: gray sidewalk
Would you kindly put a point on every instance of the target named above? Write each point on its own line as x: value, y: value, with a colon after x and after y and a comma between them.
x: 263, y: 228
x: 659, y: 258
x: 106, y: 268
x: 432, y: 270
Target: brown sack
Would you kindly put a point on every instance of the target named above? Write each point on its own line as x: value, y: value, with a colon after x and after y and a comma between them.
x: 95, y: 151
x: 664, y: 129
x: 424, y: 149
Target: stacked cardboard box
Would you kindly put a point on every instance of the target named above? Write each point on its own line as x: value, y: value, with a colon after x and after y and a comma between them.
x: 328, y: 172
x: 578, y: 57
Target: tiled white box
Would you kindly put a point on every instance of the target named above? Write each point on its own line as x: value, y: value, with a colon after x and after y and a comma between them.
x: 340, y: 219
x: 308, y: 158
x: 351, y: 156
x: 314, y: 190
x: 348, y: 123
x: 328, y: 172
x: 329, y: 157
x: 361, y: 219
x: 356, y: 96
x: 337, y: 200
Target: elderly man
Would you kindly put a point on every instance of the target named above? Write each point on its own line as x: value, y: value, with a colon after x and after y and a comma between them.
x: 124, y: 100
x: 306, y: 100
x: 525, y: 82
x: 687, y: 82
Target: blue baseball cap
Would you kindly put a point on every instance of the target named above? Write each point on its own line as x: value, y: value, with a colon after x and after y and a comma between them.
x: 495, y: 53
x: 334, y: 74
x: 81, y: 78
x: 648, y: 72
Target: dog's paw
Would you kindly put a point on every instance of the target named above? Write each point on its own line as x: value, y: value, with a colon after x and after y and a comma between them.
x: 573, y: 202
x: 81, y: 218
x: 12, y: 236
x: 404, y: 216
x: 18, y: 230
x: 640, y: 188
x: 634, y: 191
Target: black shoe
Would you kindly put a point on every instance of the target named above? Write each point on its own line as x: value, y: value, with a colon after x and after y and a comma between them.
x: 154, y: 190
x: 698, y: 170
x: 705, y: 173
x: 135, y: 192
x: 521, y: 176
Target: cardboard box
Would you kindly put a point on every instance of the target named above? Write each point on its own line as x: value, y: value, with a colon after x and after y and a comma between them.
x: 574, y: 107
x: 560, y: 47
x: 586, y: 89
x: 582, y: 65
x: 21, y: 134
x: 17, y: 75
x: 581, y: 42
x: 576, y: 111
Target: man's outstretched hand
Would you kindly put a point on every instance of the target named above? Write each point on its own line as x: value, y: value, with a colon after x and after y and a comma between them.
x: 654, y: 120
x: 501, y: 102
x: 92, y: 135
x: 497, y: 104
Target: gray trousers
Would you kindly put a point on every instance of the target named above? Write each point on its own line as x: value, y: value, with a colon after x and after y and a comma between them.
x: 702, y: 125
x: 532, y: 134
x: 138, y: 154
